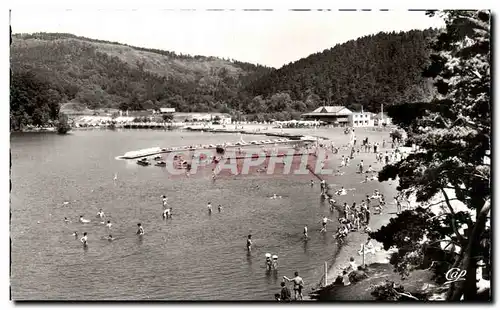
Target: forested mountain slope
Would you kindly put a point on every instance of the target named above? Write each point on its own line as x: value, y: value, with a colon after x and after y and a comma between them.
x: 377, y: 69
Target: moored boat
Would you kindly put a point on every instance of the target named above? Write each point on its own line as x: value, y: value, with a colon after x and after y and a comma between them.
x: 143, y: 162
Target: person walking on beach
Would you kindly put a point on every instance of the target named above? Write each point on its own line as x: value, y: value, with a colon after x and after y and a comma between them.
x: 367, y: 216
x: 140, y: 229
x: 356, y: 221
x: 298, y: 285
x: 361, y: 164
x: 323, y: 186
x: 345, y: 210
x: 249, y: 243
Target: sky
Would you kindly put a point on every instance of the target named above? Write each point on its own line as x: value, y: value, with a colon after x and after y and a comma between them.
x: 271, y: 38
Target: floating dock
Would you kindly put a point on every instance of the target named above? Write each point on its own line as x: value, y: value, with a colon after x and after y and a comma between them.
x: 157, y: 150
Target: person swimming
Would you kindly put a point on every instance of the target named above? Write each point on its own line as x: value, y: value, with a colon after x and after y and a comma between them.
x: 110, y: 238
x: 67, y: 220
x: 75, y: 234
x: 100, y: 214
x: 140, y: 229
x: 84, y: 239
x: 82, y: 220
x: 342, y: 191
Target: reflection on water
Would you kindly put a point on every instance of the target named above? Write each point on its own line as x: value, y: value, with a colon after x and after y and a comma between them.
x: 174, y: 255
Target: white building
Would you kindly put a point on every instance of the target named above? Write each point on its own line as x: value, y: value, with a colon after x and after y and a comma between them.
x: 361, y: 119
x: 222, y: 118
x: 336, y: 115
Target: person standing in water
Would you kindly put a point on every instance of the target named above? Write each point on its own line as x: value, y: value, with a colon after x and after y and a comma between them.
x: 164, y: 200
x: 298, y: 285
x: 305, y: 232
x: 269, y: 263
x: 108, y: 224
x: 324, y: 221
x: 140, y: 229
x: 209, y: 207
x: 219, y: 208
x: 84, y: 239
x: 275, y: 262
x: 249, y: 243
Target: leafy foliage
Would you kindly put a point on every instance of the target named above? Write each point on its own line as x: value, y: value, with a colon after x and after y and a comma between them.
x: 107, y: 74
x: 62, y: 124
x: 389, y: 291
x: 101, y: 74
x: 33, y: 101
x: 454, y: 131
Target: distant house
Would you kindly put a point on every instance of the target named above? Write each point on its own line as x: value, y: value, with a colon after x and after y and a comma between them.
x: 336, y: 115
x: 361, y: 119
x: 166, y: 110
x: 221, y: 118
x: 381, y: 118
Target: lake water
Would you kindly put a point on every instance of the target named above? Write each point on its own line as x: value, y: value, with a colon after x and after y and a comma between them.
x: 193, y: 256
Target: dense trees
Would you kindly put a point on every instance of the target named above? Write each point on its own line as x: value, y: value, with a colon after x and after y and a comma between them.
x: 369, y: 71
x: 97, y: 74
x: 32, y: 100
x: 382, y: 68
x: 454, y: 131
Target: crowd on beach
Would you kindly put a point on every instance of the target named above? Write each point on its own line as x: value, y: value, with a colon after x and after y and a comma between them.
x: 355, y: 217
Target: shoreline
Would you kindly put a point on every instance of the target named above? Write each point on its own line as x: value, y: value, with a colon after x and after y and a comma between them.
x: 351, y: 248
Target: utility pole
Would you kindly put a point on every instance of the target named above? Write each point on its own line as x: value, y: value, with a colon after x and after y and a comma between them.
x: 382, y: 113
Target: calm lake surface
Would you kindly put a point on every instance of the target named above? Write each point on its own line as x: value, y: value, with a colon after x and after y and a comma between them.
x: 193, y: 256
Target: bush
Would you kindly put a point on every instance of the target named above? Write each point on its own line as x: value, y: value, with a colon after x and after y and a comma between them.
x: 62, y: 124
